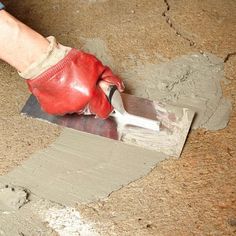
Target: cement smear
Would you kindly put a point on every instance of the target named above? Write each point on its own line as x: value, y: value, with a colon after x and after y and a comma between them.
x: 169, y: 140
x: 42, y: 217
x: 12, y: 197
x: 79, y: 167
x: 24, y: 221
x: 191, y: 81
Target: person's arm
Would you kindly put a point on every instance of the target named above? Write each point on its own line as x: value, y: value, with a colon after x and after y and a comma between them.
x: 20, y: 45
x: 64, y: 80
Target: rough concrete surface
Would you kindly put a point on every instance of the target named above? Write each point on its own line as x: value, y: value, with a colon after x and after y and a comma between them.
x: 195, y: 195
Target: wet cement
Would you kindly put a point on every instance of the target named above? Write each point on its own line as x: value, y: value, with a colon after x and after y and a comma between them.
x: 79, y: 167
x: 192, y: 81
x: 12, y: 197
x: 25, y: 221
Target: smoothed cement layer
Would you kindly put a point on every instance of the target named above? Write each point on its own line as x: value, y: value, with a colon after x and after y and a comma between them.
x: 80, y: 167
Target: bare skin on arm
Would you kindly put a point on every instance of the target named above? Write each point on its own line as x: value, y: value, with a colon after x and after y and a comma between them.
x: 20, y: 45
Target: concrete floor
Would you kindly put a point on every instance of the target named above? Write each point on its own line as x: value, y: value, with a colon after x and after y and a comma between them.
x: 195, y: 195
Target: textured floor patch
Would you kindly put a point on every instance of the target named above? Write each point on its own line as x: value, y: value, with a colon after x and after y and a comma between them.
x: 191, y: 81
x: 25, y: 221
x: 42, y: 217
x: 12, y: 197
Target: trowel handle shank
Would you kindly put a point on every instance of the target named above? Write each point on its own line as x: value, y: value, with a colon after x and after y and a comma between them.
x: 121, y: 114
x: 113, y: 95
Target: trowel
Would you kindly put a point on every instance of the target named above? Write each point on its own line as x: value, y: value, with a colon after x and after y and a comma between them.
x: 135, y: 121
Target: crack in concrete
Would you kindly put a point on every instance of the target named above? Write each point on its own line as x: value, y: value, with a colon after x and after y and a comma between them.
x: 170, y: 23
x: 228, y: 56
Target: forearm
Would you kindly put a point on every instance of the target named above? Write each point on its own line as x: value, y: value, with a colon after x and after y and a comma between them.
x: 20, y: 45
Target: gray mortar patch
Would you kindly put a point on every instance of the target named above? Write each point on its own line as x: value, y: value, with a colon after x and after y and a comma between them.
x: 191, y: 81
x: 12, y: 197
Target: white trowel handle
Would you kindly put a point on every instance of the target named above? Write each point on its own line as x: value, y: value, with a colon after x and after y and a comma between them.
x: 130, y: 119
x: 122, y: 115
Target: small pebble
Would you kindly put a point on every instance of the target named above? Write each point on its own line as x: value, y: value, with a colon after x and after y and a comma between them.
x: 232, y: 221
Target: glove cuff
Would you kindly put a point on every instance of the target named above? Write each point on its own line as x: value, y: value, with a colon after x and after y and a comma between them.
x: 55, y: 53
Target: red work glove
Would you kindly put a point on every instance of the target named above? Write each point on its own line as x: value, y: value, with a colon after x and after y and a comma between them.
x: 71, y: 86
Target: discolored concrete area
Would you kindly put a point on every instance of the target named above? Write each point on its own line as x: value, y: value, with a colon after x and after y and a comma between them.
x: 195, y: 195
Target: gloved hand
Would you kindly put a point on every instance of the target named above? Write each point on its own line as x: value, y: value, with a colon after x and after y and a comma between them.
x: 72, y: 84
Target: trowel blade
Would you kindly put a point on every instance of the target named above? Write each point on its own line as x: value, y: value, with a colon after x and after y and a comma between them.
x: 170, y: 140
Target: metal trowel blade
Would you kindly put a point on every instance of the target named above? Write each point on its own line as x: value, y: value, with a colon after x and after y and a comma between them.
x: 175, y: 124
